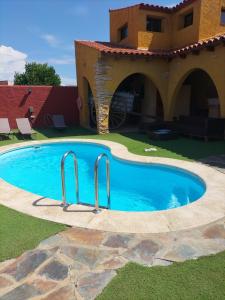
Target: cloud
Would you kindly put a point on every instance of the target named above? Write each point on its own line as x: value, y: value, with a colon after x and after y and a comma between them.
x: 11, y: 61
x: 68, y: 81
x: 51, y: 40
x: 55, y: 42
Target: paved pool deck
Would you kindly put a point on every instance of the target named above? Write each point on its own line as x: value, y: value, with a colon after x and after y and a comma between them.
x: 209, y: 208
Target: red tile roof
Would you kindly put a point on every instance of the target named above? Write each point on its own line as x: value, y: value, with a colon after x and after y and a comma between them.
x: 108, y: 48
x: 159, y: 8
x: 166, y: 9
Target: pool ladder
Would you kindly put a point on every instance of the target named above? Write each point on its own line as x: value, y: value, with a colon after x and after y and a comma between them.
x: 64, y: 202
x: 96, y: 180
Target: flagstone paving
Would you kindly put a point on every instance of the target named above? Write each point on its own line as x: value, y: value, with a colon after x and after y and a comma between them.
x: 79, y: 263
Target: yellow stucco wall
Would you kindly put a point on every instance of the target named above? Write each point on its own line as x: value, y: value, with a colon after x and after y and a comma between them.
x: 85, y: 68
x: 206, y: 23
x: 210, y: 24
x: 154, y: 40
x: 167, y: 77
x: 118, y: 19
x: 104, y: 73
x: 189, y: 35
x: 207, y: 61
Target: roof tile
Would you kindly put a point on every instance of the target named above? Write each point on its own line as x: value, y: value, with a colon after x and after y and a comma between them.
x: 159, y: 8
x: 108, y: 48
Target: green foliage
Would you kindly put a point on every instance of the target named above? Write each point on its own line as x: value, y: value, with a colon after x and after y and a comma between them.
x: 37, y: 74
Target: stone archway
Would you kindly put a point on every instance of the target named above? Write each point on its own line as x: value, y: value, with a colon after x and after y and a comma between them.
x: 136, y: 99
x: 196, y: 94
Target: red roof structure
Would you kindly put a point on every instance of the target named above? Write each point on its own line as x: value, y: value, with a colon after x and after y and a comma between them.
x: 108, y: 48
x: 4, y: 82
x: 159, y: 8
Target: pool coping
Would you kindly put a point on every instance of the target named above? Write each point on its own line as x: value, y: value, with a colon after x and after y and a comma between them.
x: 209, y: 208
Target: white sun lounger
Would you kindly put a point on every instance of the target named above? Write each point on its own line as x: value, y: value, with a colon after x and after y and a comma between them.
x: 4, y: 127
x: 24, y: 127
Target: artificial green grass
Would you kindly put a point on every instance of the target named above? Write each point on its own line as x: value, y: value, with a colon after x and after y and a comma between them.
x: 20, y: 232
x: 182, y: 148
x: 196, y: 279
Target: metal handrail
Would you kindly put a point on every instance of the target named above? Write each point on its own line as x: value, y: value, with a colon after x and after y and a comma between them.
x: 97, y: 209
x: 64, y: 203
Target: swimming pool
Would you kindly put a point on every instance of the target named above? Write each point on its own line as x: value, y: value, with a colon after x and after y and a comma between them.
x: 134, y: 186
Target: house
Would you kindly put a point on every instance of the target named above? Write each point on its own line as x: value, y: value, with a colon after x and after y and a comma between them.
x: 161, y: 62
x: 4, y: 82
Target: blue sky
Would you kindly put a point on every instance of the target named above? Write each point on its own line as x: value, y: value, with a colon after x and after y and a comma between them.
x: 44, y: 31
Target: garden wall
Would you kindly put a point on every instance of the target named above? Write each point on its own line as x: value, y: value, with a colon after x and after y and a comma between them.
x: 37, y: 102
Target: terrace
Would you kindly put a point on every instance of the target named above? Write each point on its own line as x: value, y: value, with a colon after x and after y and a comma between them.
x: 102, y: 254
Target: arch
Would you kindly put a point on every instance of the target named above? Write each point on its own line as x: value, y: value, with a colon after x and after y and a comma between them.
x: 89, y: 103
x: 195, y: 100
x: 116, y: 83
x: 135, y: 99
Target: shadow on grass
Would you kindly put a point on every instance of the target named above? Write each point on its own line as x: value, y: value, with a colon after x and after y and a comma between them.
x: 67, y: 132
x: 182, y: 148
x: 21, y: 137
x: 191, y: 148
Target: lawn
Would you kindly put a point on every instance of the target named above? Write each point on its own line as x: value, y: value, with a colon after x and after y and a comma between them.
x: 195, y: 279
x: 20, y: 232
x: 182, y: 148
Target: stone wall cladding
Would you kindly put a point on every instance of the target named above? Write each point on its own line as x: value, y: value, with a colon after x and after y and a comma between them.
x: 103, y: 97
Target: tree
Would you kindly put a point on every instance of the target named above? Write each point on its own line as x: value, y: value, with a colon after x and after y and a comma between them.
x: 37, y: 74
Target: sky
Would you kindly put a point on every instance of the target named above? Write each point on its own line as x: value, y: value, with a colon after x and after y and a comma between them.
x: 44, y: 31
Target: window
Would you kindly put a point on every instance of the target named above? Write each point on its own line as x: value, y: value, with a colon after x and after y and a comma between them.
x: 222, y: 20
x: 154, y: 24
x: 123, y: 32
x: 188, y: 19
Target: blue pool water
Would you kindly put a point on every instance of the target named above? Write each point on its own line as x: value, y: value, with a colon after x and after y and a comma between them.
x: 134, y: 187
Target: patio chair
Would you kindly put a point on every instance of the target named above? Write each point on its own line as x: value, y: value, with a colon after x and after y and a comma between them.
x: 24, y: 127
x: 58, y: 122
x: 4, y: 127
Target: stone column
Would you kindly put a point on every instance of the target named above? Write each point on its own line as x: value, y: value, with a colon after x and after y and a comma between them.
x: 103, y: 97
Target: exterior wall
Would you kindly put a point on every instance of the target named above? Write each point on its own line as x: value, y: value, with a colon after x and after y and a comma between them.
x: 15, y: 102
x: 206, y: 24
x: 154, y: 40
x: 210, y: 24
x: 189, y: 35
x: 119, y: 69
x: 85, y: 67
x: 206, y: 61
x: 119, y: 18
x: 105, y: 73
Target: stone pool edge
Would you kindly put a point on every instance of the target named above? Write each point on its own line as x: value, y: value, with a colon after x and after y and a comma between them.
x: 209, y: 208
